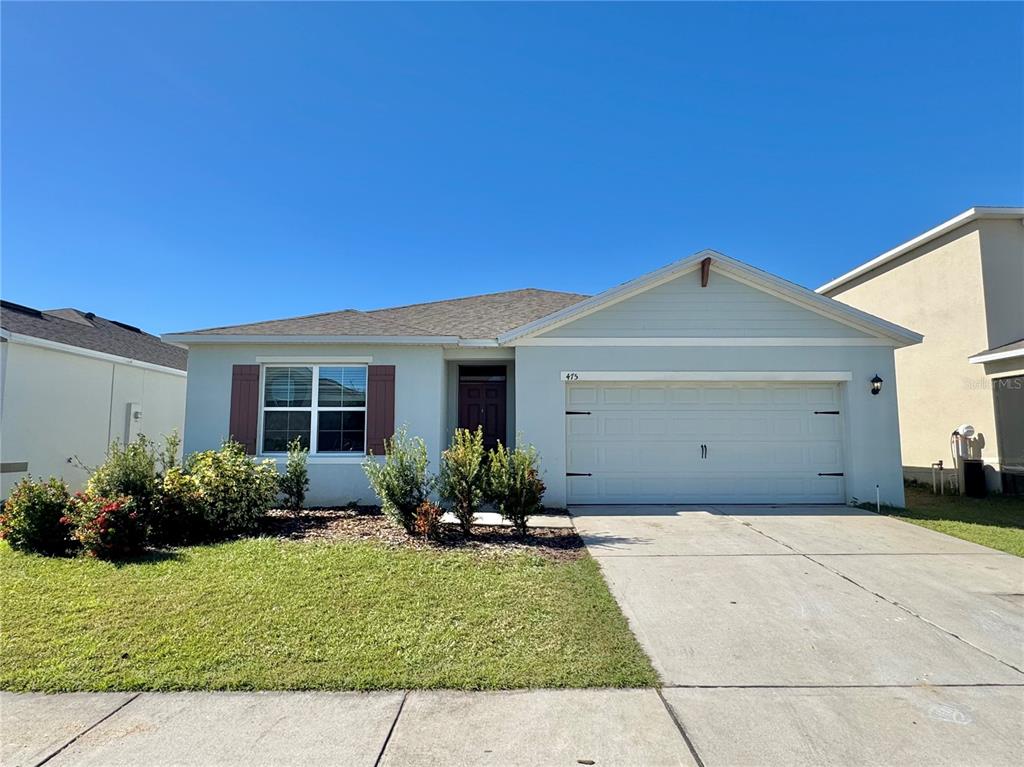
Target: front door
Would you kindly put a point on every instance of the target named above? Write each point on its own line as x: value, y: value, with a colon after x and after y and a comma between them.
x: 482, y: 402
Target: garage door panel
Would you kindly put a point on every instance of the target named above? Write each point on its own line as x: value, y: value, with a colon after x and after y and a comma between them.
x: 642, y: 443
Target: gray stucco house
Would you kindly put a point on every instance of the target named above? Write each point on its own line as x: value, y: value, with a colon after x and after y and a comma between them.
x: 705, y: 381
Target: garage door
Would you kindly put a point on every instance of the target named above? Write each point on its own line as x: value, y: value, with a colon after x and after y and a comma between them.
x: 704, y: 442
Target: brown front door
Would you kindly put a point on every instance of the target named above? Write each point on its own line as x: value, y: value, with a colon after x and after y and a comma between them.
x: 482, y: 402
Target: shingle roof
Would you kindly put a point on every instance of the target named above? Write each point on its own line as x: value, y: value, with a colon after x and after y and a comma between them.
x: 484, y: 316
x: 87, y: 331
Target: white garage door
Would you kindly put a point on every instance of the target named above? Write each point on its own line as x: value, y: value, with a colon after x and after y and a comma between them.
x: 704, y: 443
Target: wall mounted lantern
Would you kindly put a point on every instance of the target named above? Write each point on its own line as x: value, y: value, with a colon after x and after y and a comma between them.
x: 876, y: 384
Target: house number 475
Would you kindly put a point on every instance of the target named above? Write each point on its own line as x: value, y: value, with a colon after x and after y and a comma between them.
x: 572, y: 376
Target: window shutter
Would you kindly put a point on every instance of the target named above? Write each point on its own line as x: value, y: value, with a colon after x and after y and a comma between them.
x: 245, y: 405
x: 380, y: 407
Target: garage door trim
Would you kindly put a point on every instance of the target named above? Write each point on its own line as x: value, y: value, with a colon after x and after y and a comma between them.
x: 791, y: 376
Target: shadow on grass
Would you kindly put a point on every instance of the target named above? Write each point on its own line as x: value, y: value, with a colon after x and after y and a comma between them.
x: 995, y: 511
x: 148, y: 557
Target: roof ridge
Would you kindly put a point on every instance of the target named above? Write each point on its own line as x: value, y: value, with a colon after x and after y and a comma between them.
x: 475, y: 295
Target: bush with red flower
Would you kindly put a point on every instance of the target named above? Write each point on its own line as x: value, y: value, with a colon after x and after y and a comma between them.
x: 108, y: 528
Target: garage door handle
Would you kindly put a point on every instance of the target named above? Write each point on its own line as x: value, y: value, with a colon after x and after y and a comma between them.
x: 831, y: 474
x: 577, y: 412
x: 578, y: 474
x: 826, y: 412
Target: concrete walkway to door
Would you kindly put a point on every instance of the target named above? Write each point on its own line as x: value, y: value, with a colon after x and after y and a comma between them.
x: 821, y: 635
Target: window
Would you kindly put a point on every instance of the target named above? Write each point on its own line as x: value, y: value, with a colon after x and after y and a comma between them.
x: 323, y: 405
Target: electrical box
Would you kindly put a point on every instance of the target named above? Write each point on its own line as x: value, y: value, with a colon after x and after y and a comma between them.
x: 133, y: 421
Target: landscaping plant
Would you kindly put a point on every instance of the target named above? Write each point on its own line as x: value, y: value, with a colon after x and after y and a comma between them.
x: 463, y: 475
x: 401, y: 481
x: 428, y: 520
x: 129, y: 470
x: 181, y: 518
x: 295, y: 480
x: 107, y: 528
x: 514, y: 484
x: 34, y: 517
x: 232, y: 491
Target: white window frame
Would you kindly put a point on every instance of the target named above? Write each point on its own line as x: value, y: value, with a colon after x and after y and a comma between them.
x: 313, y: 409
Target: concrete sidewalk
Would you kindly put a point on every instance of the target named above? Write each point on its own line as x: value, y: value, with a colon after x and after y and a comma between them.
x: 530, y: 727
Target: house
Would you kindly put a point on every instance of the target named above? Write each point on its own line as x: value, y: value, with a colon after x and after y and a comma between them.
x: 706, y: 380
x: 962, y: 285
x: 72, y: 382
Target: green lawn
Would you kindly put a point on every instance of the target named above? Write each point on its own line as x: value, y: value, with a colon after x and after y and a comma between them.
x: 268, y: 614
x: 996, y: 522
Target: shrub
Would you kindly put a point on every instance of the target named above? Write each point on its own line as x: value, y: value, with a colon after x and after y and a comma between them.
x: 108, y: 528
x: 428, y: 520
x: 135, y: 469
x: 514, y: 484
x: 231, y: 490
x: 295, y: 481
x: 34, y: 517
x: 463, y: 477
x: 180, y: 518
x: 401, y: 481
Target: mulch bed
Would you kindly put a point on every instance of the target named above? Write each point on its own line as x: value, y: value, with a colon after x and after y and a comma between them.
x: 367, y: 523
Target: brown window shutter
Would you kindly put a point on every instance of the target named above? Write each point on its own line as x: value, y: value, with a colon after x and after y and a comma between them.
x: 380, y: 407
x: 245, y: 405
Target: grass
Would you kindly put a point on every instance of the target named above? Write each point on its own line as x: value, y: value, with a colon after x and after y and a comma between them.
x: 996, y: 521
x: 275, y: 615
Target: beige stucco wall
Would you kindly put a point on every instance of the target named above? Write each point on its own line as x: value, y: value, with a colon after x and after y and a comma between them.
x: 1002, y: 254
x: 936, y: 290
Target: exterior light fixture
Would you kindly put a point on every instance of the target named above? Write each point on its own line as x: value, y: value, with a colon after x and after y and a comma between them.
x: 876, y: 384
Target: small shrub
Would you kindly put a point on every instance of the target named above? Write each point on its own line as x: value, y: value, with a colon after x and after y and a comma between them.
x: 181, y: 517
x: 463, y: 477
x: 108, y: 528
x: 401, y: 481
x: 129, y: 470
x: 34, y: 517
x: 232, y: 491
x: 428, y: 520
x: 514, y: 484
x: 295, y: 480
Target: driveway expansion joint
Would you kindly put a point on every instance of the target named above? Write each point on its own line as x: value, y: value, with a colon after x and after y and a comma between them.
x: 88, y: 729
x: 884, y: 598
x: 682, y: 730
x: 391, y: 730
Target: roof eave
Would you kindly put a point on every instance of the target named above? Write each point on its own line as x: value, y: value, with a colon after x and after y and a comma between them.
x: 969, y: 215
x: 995, y: 356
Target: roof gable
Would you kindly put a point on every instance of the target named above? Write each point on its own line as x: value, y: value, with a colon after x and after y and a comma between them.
x: 859, y: 322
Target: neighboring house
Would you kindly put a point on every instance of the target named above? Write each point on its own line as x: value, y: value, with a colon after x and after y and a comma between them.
x: 72, y: 382
x: 962, y: 285
x: 705, y: 381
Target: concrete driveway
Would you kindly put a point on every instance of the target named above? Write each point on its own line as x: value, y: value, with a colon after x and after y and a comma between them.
x: 821, y: 635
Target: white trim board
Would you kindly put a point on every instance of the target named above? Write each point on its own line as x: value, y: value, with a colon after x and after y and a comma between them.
x: 734, y: 269
x: 56, y: 346
x: 969, y: 215
x: 579, y: 376
x: 704, y: 341
x: 994, y: 356
x: 306, y: 359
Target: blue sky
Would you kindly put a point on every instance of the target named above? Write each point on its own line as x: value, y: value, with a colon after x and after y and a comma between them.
x: 184, y: 165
